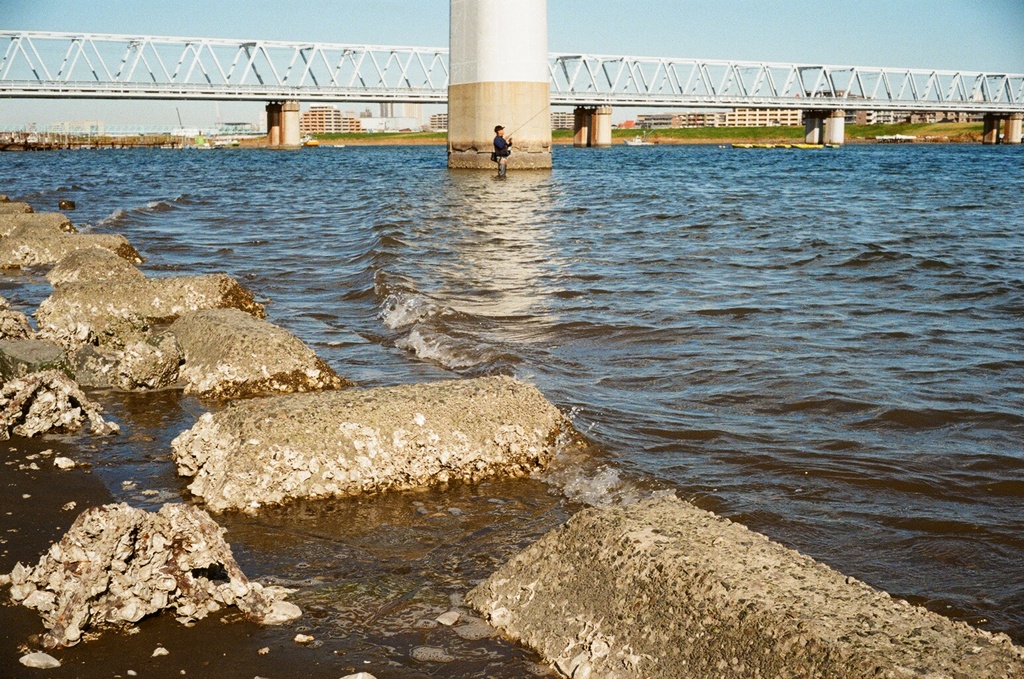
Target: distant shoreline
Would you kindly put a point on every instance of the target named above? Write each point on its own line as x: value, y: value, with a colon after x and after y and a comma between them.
x: 945, y: 133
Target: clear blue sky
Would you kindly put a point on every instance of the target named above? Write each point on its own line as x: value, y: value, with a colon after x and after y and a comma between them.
x: 941, y: 34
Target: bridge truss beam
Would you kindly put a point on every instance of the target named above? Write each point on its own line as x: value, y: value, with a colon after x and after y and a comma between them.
x: 94, y: 66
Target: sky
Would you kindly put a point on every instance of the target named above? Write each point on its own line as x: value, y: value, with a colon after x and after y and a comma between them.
x: 939, y: 34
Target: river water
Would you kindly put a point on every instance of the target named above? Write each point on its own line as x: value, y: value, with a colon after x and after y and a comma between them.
x: 827, y: 346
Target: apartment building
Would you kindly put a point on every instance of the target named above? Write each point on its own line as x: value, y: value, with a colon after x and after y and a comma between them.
x: 324, y: 119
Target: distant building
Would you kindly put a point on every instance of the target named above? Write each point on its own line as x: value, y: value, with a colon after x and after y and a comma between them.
x: 387, y: 110
x: 321, y: 119
x: 439, y: 122
x: 562, y: 120
x: 740, y: 117
x: 390, y: 125
x: 763, y: 117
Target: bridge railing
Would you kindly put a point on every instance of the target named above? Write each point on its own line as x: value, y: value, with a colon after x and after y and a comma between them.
x: 651, y: 81
x: 69, y: 65
x: 121, y: 66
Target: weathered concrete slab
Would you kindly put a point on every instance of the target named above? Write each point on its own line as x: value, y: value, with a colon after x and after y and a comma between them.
x: 267, y: 451
x: 49, y: 220
x: 34, y: 244
x: 230, y: 354
x: 117, y: 564
x: 12, y: 208
x: 48, y: 401
x: 19, y: 357
x: 92, y: 265
x: 663, y: 589
x: 120, y: 305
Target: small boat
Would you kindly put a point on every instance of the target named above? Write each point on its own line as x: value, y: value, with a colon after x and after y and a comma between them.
x: 638, y: 141
x: 309, y: 141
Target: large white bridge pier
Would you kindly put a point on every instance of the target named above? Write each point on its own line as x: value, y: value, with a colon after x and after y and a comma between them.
x: 499, y: 75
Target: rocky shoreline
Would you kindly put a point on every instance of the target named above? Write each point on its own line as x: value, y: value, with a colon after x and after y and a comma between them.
x: 657, y: 588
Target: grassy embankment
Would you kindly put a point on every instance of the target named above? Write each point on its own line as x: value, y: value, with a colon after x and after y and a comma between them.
x: 939, y: 132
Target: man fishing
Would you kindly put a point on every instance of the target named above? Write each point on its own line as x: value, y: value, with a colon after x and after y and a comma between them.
x: 502, y: 150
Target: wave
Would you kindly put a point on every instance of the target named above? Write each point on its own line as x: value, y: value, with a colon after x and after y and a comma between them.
x: 402, y: 309
x: 934, y: 418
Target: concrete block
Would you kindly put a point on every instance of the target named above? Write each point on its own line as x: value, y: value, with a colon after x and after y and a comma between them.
x: 34, y: 244
x: 92, y: 265
x: 663, y: 589
x: 267, y: 451
x: 230, y: 354
x: 19, y: 357
x: 13, y: 208
x: 119, y: 305
x: 53, y: 220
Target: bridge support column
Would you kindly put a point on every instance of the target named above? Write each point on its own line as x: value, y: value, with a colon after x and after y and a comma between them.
x: 990, y: 133
x: 835, y: 128
x: 814, y: 123
x: 291, y: 133
x: 1014, y: 129
x: 499, y: 76
x: 601, y: 130
x: 273, y: 124
x: 583, y: 122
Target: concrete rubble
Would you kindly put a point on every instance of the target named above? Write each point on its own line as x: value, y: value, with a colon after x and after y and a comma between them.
x: 35, y: 244
x: 54, y: 221
x: 92, y: 265
x: 230, y: 354
x: 663, y: 589
x: 13, y: 324
x: 48, y: 401
x: 126, y: 305
x: 7, y: 207
x: 267, y: 451
x: 117, y: 564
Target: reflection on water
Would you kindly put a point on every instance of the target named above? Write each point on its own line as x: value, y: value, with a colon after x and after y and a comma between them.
x: 823, y: 346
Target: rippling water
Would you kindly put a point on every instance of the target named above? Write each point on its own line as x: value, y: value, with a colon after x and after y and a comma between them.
x: 826, y: 346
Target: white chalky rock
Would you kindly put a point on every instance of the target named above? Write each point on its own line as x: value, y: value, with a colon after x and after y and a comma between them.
x: 39, y: 661
x: 119, y: 564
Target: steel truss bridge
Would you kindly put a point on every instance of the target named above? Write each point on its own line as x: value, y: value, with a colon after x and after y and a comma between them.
x: 94, y: 66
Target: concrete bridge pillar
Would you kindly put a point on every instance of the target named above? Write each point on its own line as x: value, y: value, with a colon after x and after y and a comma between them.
x: 583, y: 122
x: 601, y: 131
x: 1014, y: 125
x: 990, y: 133
x: 499, y: 76
x: 814, y: 123
x: 273, y: 124
x: 291, y: 133
x: 835, y: 128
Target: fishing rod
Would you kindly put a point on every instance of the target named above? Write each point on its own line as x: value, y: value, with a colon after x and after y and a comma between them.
x: 513, y: 132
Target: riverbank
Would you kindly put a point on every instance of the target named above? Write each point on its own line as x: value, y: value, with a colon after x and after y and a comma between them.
x: 855, y: 134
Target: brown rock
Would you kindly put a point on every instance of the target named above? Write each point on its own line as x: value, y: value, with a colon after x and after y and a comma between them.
x: 267, y: 451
